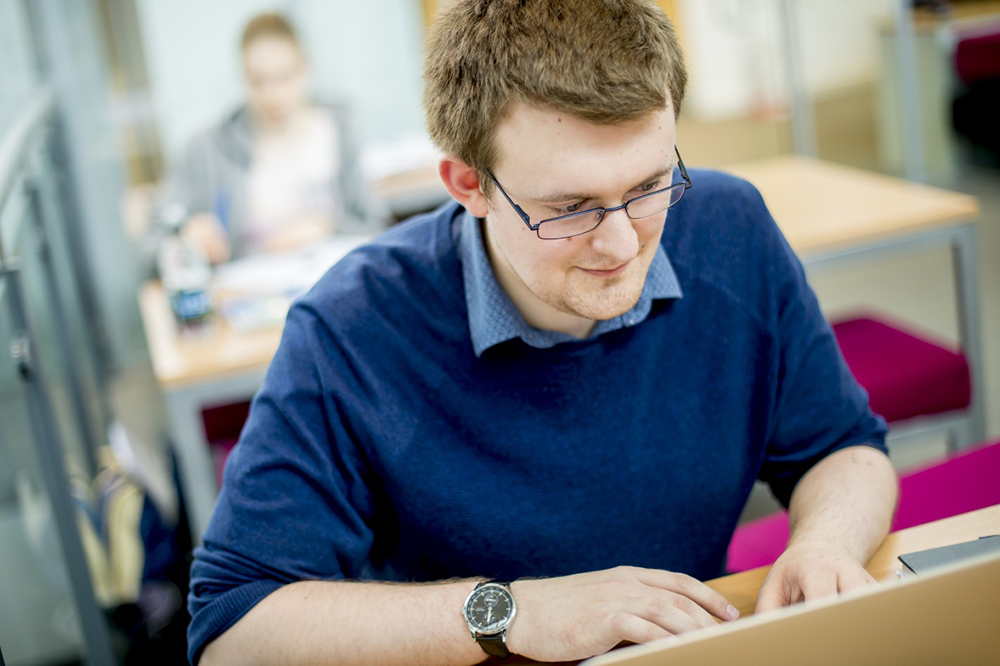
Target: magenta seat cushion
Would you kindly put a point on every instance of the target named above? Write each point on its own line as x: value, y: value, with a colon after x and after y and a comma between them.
x: 977, y: 58
x: 964, y: 483
x: 906, y: 375
x: 758, y: 543
x: 960, y: 484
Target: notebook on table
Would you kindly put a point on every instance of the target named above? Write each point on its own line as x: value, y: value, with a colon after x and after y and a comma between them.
x: 923, y: 561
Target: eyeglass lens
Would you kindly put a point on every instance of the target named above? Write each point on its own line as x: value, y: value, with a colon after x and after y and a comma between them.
x: 637, y: 209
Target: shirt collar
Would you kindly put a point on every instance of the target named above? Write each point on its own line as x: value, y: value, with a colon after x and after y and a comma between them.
x: 493, y: 317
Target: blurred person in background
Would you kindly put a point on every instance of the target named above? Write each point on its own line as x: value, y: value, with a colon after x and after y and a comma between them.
x: 278, y: 172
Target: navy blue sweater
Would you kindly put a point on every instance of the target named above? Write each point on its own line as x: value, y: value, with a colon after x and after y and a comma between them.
x: 381, y: 447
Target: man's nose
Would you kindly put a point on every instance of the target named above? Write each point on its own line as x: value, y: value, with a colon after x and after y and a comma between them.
x: 616, y: 237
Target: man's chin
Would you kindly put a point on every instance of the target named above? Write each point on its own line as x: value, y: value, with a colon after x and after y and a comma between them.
x: 608, y: 307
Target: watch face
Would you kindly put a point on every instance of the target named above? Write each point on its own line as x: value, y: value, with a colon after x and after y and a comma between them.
x: 489, y: 609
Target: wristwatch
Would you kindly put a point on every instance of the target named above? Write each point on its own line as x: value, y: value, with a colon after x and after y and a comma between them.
x: 488, y: 611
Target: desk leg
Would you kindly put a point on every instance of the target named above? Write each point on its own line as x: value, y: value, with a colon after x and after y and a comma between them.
x: 967, y: 291
x: 962, y: 241
x: 197, y: 471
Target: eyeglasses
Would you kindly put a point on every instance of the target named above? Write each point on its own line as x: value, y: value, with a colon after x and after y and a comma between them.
x: 585, y: 221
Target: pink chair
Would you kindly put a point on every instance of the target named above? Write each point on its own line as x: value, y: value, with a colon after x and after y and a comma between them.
x: 960, y: 484
x: 911, y: 378
x: 223, y: 424
x: 905, y: 375
x: 977, y: 57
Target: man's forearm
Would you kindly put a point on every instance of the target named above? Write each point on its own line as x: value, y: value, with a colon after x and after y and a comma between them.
x: 320, y: 622
x: 849, y: 499
x: 377, y: 624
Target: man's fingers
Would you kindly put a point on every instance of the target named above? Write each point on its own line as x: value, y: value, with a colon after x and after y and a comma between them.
x: 818, y: 585
x: 854, y: 581
x: 691, y: 588
x: 672, y: 612
x: 206, y: 232
x: 219, y: 251
x: 217, y: 244
x: 786, y: 588
x: 772, y: 596
x: 635, y: 629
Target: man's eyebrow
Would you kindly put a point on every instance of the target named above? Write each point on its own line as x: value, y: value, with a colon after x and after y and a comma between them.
x: 557, y: 197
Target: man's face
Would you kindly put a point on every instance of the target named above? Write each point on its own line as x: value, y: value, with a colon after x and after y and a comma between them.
x: 276, y: 78
x: 552, y: 164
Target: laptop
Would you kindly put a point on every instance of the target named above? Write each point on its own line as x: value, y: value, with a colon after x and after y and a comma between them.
x: 950, y: 615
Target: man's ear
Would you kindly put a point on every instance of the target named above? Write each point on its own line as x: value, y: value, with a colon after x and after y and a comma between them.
x: 462, y: 182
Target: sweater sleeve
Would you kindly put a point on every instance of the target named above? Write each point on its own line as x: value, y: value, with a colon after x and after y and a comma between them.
x: 819, y: 407
x: 296, y: 502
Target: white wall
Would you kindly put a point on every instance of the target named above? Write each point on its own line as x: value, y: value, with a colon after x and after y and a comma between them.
x: 840, y: 41
x: 373, y: 51
x: 736, y: 51
x: 369, y: 53
x: 365, y: 53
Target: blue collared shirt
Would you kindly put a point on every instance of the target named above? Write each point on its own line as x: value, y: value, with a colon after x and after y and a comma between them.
x: 493, y: 317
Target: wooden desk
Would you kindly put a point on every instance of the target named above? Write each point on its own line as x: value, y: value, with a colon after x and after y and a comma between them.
x: 829, y: 213
x: 219, y: 352
x: 962, y: 13
x: 823, y: 208
x: 741, y: 589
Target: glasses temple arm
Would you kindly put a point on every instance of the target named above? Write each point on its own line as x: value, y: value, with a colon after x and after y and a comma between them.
x: 517, y: 209
x: 684, y: 171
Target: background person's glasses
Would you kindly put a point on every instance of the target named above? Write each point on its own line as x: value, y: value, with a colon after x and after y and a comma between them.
x: 576, y: 224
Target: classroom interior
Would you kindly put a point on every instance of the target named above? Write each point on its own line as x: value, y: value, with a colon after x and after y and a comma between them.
x: 98, y: 99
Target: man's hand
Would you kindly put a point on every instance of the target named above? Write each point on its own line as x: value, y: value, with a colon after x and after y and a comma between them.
x: 839, y: 513
x: 205, y: 231
x: 810, y: 570
x: 575, y: 617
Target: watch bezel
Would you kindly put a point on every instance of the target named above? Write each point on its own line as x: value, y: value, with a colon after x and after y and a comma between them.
x: 500, y: 627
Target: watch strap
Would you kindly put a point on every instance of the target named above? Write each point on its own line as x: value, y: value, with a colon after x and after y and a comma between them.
x: 494, y: 645
x: 505, y: 583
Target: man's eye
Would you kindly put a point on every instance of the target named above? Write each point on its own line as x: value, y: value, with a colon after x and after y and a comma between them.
x: 648, y: 187
x: 568, y: 208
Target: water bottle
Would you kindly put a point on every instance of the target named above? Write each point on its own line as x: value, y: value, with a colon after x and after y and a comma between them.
x: 185, y: 272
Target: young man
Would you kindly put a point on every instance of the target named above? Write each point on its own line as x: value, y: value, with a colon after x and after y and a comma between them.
x: 553, y: 381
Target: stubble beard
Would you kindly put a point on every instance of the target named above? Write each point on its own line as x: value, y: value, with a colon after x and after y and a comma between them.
x: 612, y: 298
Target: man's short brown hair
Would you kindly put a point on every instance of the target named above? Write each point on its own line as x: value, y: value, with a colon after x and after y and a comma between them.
x: 604, y: 61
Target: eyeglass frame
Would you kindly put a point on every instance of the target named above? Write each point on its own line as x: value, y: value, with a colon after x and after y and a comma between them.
x: 685, y: 182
